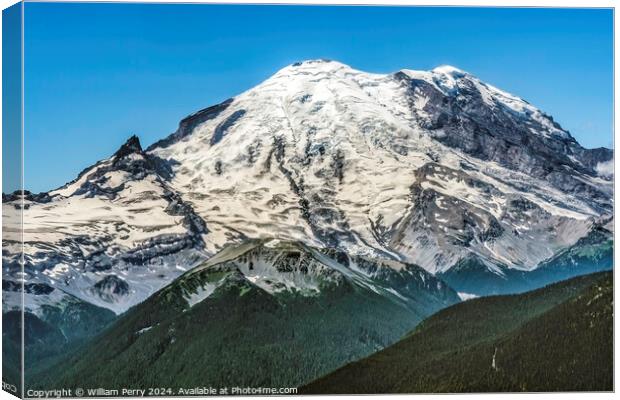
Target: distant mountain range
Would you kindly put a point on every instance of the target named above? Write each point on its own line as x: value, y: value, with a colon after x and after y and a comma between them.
x: 326, y: 210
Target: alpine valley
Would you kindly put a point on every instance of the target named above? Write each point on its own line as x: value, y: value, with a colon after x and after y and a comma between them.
x: 307, y: 223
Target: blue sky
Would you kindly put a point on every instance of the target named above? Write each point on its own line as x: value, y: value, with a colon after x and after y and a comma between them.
x: 97, y: 73
x: 11, y: 98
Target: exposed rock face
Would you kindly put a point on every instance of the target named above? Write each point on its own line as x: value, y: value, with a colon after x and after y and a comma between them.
x: 491, y: 125
x: 426, y: 167
x: 110, y: 288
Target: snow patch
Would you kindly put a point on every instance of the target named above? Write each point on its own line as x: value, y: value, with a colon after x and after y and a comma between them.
x: 467, y: 296
x: 141, y: 331
x: 605, y: 168
x: 202, y: 293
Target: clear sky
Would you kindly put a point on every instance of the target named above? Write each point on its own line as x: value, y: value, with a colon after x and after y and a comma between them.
x: 97, y: 73
x: 11, y: 98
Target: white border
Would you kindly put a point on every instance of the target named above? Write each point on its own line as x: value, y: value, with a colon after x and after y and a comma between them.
x: 480, y: 3
x: 435, y: 3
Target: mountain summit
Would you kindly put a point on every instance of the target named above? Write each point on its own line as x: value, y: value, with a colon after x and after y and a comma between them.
x: 424, y: 167
x: 132, y: 145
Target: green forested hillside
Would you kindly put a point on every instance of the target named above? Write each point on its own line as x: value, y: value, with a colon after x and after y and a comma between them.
x: 243, y: 335
x: 239, y: 336
x: 558, y: 338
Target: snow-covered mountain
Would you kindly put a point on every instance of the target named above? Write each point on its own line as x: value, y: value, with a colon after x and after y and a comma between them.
x: 424, y: 167
x: 112, y: 237
x: 278, y: 267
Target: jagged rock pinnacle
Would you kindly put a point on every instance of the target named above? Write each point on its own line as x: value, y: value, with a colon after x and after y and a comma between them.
x: 132, y: 145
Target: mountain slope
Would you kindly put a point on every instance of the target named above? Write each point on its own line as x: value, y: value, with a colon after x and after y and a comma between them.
x: 261, y: 314
x: 558, y: 338
x: 592, y: 253
x: 55, y: 323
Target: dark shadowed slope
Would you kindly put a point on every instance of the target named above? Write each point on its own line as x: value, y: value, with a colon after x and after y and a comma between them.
x: 558, y: 338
